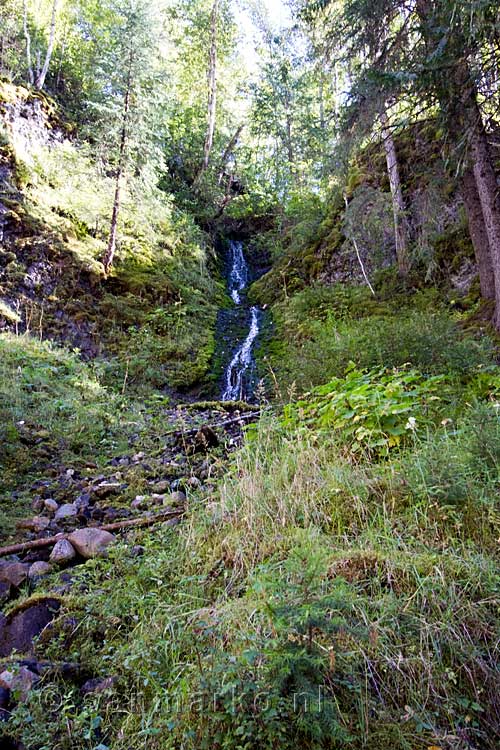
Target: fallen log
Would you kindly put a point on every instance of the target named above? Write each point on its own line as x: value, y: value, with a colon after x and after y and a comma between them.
x: 226, y: 423
x: 14, y: 549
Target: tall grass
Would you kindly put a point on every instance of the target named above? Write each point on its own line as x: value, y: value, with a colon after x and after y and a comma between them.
x: 305, y: 571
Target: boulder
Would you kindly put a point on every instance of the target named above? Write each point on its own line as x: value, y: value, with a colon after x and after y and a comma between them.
x: 91, y: 542
x: 38, y: 570
x: 24, y: 624
x: 13, y: 573
x: 62, y: 553
x: 68, y: 510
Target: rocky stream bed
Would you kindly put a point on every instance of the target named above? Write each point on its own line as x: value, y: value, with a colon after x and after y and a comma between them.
x: 78, y: 513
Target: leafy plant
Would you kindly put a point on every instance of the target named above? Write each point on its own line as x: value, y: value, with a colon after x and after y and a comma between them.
x: 372, y: 410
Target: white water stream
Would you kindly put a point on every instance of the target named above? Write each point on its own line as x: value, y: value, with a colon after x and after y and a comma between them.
x: 234, y: 376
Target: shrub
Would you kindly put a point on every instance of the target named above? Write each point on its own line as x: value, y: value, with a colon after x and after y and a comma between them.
x: 432, y: 343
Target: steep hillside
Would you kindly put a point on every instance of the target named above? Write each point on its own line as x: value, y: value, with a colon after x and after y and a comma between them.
x: 154, y: 317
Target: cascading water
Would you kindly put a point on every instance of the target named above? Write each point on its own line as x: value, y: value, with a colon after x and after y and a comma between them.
x: 235, y: 385
x: 238, y: 275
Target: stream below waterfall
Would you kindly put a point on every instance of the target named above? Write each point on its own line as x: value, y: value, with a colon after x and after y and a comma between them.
x: 238, y: 374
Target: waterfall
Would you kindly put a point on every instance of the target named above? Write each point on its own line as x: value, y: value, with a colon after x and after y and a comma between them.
x: 235, y: 386
x: 238, y: 275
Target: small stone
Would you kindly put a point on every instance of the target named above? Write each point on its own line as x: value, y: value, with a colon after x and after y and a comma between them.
x: 194, y: 482
x: 37, y: 504
x: 161, y: 487
x: 4, y: 703
x: 13, y: 573
x: 107, y: 488
x: 137, y: 550
x: 139, y: 503
x: 91, y: 542
x: 68, y: 510
x: 50, y: 505
x: 38, y: 570
x: 175, y: 498
x: 158, y: 499
x: 62, y: 553
x: 83, y: 500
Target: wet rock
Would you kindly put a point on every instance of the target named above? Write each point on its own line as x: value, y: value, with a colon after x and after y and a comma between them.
x: 38, y: 570
x: 23, y: 625
x: 91, y: 542
x: 50, y: 505
x: 36, y: 524
x: 62, y: 553
x: 68, y: 510
x: 13, y: 573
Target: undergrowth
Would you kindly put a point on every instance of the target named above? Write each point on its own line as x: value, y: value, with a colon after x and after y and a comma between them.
x: 315, y: 601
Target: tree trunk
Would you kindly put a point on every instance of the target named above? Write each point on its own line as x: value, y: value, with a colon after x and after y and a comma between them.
x: 40, y: 80
x: 487, y: 189
x: 228, y: 151
x: 479, y: 235
x: 109, y: 255
x: 212, y: 91
x: 457, y: 95
x: 398, y: 205
x: 27, y: 37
